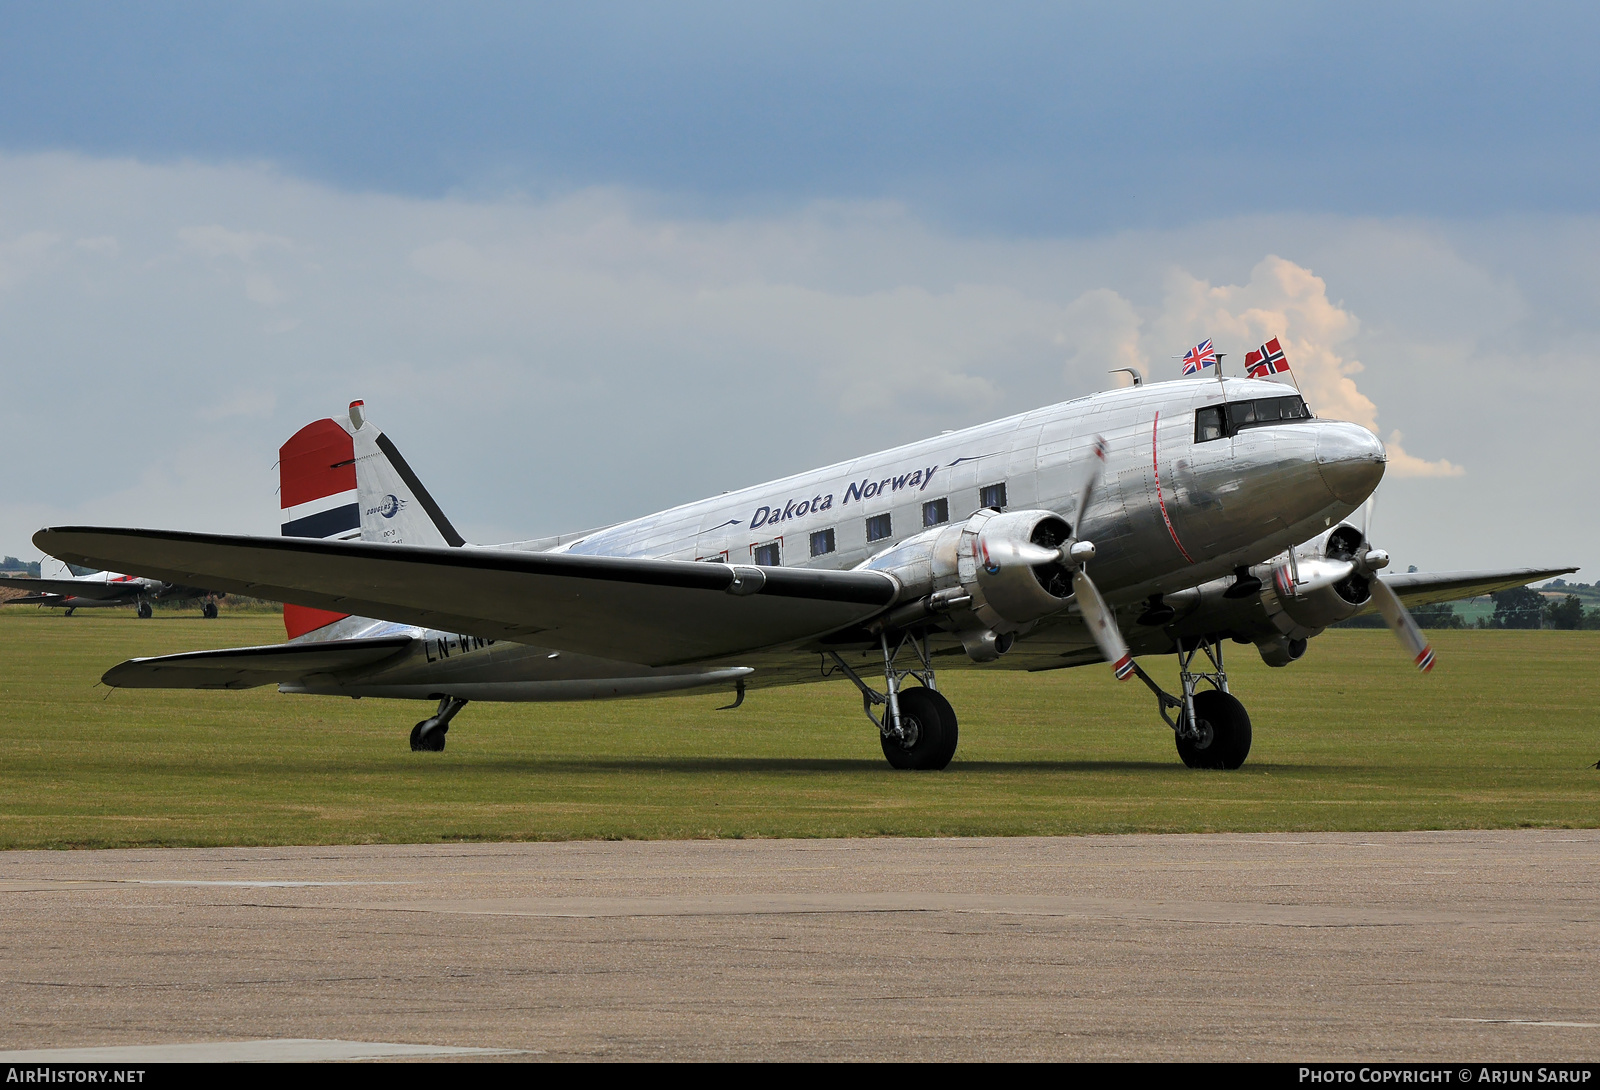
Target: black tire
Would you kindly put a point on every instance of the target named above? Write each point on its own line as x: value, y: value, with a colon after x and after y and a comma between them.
x: 145, y: 611
x: 931, y: 725
x: 430, y: 742
x: 69, y: 611
x: 209, y: 611
x: 1225, y: 732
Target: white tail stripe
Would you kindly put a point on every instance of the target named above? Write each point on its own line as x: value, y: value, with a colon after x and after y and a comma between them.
x: 317, y: 506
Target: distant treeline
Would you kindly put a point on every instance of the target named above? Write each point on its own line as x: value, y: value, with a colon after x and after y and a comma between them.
x: 11, y: 563
x: 1520, y: 607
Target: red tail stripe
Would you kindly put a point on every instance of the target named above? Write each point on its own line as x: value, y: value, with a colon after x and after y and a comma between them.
x: 318, y: 460
x: 298, y: 620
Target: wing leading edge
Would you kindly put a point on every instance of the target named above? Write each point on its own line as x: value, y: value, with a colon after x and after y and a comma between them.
x: 655, y: 612
x: 1426, y: 588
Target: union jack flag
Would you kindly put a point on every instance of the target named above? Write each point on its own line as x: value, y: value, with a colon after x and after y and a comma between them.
x: 1266, y: 360
x: 1201, y: 355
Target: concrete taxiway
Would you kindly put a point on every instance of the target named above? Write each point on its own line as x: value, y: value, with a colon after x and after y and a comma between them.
x: 1361, y: 947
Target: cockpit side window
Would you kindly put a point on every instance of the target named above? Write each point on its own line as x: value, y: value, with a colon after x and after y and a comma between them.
x: 1211, y: 423
x: 1208, y: 424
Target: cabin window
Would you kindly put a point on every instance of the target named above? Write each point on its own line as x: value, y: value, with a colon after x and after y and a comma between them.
x: 993, y: 495
x: 767, y: 556
x: 935, y: 512
x: 879, y: 528
x: 822, y: 542
x: 715, y: 558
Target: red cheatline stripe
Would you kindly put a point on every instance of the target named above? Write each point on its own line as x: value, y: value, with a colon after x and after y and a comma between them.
x: 1425, y: 660
x: 1155, y: 462
x: 1124, y: 667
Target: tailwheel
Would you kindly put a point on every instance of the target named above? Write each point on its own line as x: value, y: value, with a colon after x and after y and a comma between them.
x: 428, y: 736
x: 928, y: 731
x: 1220, y: 737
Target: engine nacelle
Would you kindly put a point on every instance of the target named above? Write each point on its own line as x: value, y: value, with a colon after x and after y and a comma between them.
x: 1000, y: 593
x: 1329, y: 589
x: 1008, y: 592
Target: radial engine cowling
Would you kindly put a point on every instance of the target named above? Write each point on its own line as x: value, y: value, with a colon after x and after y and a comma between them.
x: 1329, y: 589
x: 982, y: 563
x: 1007, y: 591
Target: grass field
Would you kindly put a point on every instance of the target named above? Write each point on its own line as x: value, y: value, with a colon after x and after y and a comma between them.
x: 1505, y: 732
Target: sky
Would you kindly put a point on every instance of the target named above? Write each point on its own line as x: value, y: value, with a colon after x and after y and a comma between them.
x: 585, y: 262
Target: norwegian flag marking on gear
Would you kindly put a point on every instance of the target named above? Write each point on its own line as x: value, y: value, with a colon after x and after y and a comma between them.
x: 1266, y: 360
x: 1201, y: 355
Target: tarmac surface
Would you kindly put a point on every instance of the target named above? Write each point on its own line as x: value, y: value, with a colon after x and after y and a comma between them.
x: 1365, y: 947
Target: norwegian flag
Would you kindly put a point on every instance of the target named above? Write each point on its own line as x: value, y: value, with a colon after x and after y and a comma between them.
x: 1266, y: 360
x: 1201, y: 355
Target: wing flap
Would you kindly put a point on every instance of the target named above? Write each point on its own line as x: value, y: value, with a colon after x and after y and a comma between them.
x: 247, y: 667
x: 655, y: 612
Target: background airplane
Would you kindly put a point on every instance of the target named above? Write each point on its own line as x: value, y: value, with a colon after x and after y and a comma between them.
x: 1209, y: 512
x: 58, y: 586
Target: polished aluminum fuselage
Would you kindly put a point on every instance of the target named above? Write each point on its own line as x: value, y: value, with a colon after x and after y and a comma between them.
x: 1169, y: 513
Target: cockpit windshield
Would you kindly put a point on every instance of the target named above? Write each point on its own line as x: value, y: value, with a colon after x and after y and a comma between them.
x: 1221, y: 421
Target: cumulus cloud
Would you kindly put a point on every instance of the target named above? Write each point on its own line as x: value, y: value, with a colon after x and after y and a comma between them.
x: 556, y: 363
x: 1288, y: 301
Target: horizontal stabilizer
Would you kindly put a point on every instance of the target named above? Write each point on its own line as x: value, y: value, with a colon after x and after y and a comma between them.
x: 247, y: 667
x: 75, y: 588
x: 1425, y: 588
x: 653, y: 612
x: 35, y: 600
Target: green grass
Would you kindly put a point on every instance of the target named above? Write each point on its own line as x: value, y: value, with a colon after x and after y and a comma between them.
x: 1503, y: 733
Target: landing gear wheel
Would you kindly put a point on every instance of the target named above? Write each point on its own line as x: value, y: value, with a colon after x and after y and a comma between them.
x: 1224, y: 734
x: 428, y: 736
x: 69, y: 611
x: 209, y: 611
x: 145, y: 611
x: 930, y: 732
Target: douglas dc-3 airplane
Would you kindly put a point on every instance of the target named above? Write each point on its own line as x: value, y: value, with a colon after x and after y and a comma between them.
x: 59, y: 587
x: 1158, y: 519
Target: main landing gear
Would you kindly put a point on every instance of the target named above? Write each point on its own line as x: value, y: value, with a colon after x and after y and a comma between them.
x: 146, y: 611
x: 1211, y: 727
x: 428, y: 735
x: 918, y: 729
x: 209, y: 611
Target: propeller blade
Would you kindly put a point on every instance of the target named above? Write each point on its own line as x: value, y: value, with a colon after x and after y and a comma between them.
x: 1400, y: 623
x: 1102, y: 625
x: 1097, y: 466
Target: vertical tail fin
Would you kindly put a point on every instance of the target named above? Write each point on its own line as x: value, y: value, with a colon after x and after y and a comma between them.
x: 395, y: 507
x: 317, y: 492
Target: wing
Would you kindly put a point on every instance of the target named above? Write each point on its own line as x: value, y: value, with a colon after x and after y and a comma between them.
x: 1425, y: 588
x: 246, y: 667
x: 655, y: 612
x: 73, y: 588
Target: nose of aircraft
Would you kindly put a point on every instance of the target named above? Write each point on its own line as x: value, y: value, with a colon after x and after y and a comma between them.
x: 1351, y: 460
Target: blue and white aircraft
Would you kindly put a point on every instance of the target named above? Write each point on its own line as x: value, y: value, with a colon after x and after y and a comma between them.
x: 1158, y: 519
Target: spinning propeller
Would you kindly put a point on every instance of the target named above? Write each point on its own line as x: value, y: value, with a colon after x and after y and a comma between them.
x: 1075, y: 555
x: 1368, y: 561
